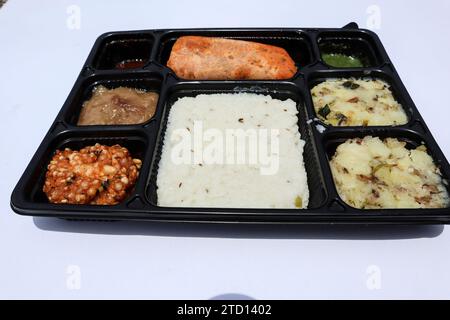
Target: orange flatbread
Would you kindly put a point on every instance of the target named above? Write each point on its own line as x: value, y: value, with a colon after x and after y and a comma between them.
x: 208, y: 58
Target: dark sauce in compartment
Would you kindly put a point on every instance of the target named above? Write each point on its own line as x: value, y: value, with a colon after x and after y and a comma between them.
x: 130, y: 64
x: 122, y: 52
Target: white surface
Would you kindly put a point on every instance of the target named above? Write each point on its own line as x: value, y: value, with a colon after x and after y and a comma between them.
x: 39, y: 61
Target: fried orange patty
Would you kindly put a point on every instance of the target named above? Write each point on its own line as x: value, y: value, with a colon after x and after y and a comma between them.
x: 97, y: 174
x: 210, y: 58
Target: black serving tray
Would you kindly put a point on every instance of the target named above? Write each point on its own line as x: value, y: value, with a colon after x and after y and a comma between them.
x: 145, y: 141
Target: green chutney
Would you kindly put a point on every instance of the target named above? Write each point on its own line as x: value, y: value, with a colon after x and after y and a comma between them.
x: 338, y: 60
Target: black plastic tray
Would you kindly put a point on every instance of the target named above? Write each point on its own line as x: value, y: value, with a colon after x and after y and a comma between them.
x: 145, y: 141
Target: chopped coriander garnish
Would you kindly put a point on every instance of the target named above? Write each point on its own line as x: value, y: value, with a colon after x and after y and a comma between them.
x: 351, y: 85
x: 325, y: 111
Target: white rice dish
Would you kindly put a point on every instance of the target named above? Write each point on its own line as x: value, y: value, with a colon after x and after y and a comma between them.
x: 223, y: 184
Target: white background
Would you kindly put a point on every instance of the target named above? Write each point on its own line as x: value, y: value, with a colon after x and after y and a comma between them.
x: 40, y: 58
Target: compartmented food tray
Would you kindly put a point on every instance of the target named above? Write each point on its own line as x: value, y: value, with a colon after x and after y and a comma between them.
x: 138, y: 59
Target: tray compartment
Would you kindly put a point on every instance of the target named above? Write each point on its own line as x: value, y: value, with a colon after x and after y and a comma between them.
x: 296, y: 43
x: 116, y: 48
x: 332, y: 140
x: 134, y: 141
x: 143, y: 80
x: 281, y: 91
x: 351, y: 43
x: 400, y: 95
